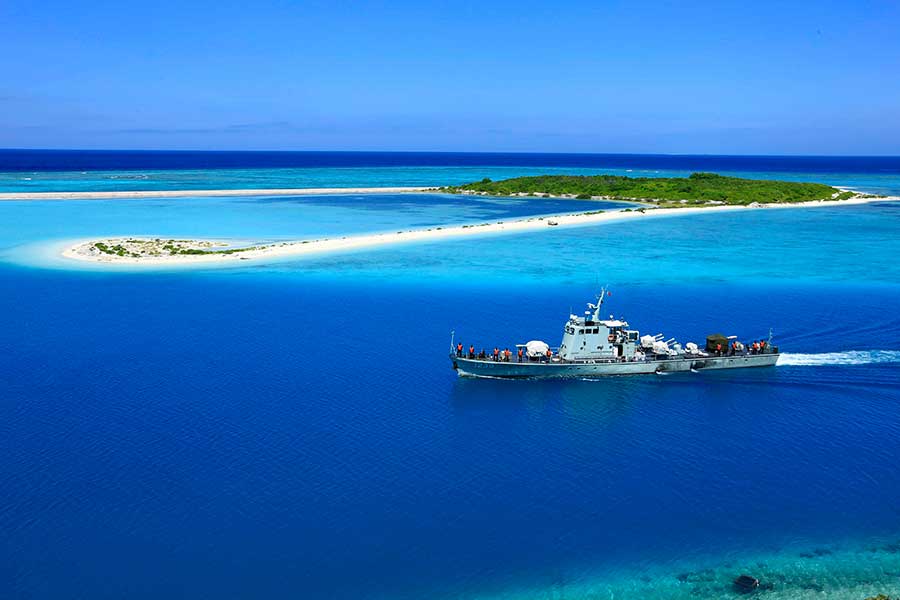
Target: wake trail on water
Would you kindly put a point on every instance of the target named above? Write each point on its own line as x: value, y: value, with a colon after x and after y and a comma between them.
x: 850, y: 357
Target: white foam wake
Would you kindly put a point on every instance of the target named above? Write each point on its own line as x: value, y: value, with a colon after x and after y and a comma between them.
x: 851, y: 357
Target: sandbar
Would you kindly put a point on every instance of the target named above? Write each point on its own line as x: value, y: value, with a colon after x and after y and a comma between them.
x: 124, y: 195
x: 208, y: 251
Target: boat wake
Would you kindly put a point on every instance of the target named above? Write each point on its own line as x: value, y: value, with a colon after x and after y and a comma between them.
x: 851, y: 357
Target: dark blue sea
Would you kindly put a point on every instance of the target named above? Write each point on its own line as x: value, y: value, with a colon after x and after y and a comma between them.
x: 294, y: 429
x: 118, y: 160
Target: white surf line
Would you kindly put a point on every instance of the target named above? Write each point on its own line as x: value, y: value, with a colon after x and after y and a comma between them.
x: 83, y: 249
x: 121, y: 195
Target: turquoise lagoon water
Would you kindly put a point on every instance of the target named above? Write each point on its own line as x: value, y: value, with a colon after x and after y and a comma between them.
x: 293, y: 429
x: 37, y: 232
x: 761, y: 247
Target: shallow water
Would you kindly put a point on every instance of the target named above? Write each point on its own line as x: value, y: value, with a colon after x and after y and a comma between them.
x: 293, y: 429
x: 271, y: 217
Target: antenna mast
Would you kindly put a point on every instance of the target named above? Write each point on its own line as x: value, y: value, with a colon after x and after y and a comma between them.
x: 596, y: 307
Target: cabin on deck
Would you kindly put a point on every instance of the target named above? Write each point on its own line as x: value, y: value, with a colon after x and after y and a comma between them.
x: 586, y: 339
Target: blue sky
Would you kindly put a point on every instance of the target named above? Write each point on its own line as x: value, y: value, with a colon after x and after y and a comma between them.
x: 802, y: 77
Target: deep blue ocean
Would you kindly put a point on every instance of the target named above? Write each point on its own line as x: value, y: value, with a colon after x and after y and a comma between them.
x: 294, y: 429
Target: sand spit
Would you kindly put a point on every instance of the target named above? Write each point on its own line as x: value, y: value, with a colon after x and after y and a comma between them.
x: 205, y: 193
x: 166, y: 251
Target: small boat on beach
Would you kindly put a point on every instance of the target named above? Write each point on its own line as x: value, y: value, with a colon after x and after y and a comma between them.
x: 592, y: 347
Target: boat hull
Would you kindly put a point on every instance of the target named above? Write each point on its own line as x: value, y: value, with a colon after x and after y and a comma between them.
x: 467, y: 367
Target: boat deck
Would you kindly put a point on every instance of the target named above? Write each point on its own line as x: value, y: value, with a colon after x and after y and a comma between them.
x: 556, y: 367
x: 557, y: 360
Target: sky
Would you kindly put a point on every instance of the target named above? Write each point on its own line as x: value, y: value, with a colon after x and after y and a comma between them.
x: 717, y: 77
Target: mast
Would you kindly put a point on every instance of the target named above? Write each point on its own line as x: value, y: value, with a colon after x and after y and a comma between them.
x: 596, y: 316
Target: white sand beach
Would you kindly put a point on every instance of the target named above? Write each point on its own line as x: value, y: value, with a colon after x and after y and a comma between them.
x: 86, y: 250
x: 120, y: 195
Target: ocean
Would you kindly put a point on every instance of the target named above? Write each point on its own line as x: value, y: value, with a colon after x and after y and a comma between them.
x: 73, y: 171
x: 293, y: 429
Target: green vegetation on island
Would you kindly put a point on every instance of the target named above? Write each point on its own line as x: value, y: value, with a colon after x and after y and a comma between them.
x: 116, y: 250
x: 698, y: 189
x: 137, y: 248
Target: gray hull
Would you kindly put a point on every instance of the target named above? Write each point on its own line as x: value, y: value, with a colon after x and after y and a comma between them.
x: 467, y: 367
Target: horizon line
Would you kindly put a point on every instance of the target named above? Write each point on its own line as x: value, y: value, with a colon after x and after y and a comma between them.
x: 473, y: 152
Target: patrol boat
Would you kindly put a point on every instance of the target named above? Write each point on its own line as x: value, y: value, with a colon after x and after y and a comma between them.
x: 595, y: 347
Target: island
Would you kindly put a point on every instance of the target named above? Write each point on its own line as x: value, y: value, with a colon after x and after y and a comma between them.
x: 667, y: 192
x: 159, y: 248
